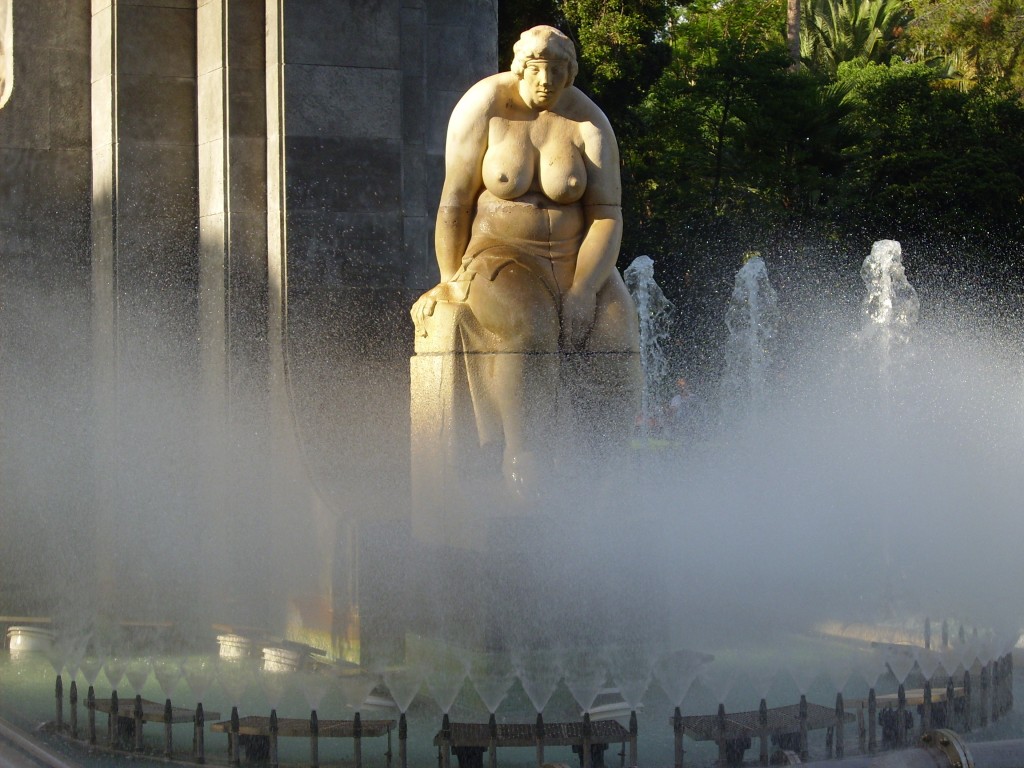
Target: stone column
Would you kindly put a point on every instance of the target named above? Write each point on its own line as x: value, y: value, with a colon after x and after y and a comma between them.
x: 45, y: 347
x: 144, y: 269
x: 232, y: 175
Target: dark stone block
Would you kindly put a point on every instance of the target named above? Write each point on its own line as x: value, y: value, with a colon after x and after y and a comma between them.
x: 157, y: 109
x: 368, y: 36
x: 344, y: 175
x: 156, y: 40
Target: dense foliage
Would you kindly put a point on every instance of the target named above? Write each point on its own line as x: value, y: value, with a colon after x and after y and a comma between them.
x: 903, y: 118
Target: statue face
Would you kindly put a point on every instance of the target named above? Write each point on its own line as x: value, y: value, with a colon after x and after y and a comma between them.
x: 543, y: 82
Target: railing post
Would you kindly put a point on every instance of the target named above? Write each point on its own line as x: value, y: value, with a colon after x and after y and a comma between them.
x: 722, y: 760
x: 90, y: 707
x: 634, y: 733
x: 984, y: 698
x: 803, y: 727
x: 926, y: 708
x: 168, y: 722
x: 540, y: 740
x: 901, y: 717
x: 588, y: 759
x: 762, y: 726
x: 872, y: 721
x: 73, y: 702
x: 357, y: 739
x: 314, y: 740
x: 198, y: 735
x: 274, y: 761
x: 233, y: 740
x: 446, y: 741
x: 950, y: 704
x: 997, y: 688
x: 968, y: 703
x: 403, y: 738
x: 840, y: 726
x: 1009, y: 682
x: 677, y: 735
x: 58, y: 693
x: 138, y: 722
x: 113, y: 735
x: 862, y: 730
x: 492, y: 741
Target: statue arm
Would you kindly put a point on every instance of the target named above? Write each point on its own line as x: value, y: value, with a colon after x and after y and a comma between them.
x: 464, y: 151
x: 600, y: 247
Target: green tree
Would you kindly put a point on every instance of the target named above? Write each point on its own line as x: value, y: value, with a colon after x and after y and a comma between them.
x: 931, y: 159
x: 729, y: 127
x: 836, y: 31
x: 973, y: 42
x: 622, y: 51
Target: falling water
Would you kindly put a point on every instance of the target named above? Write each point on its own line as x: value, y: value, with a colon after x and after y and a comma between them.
x: 654, y: 311
x: 753, y: 322
x: 888, y: 313
x: 890, y: 309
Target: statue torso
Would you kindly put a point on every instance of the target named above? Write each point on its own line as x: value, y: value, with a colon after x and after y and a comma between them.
x: 535, y: 153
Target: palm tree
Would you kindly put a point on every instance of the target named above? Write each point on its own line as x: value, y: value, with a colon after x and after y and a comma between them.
x: 793, y: 30
x: 845, y: 30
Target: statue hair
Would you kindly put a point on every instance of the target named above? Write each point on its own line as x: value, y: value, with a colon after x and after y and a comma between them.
x: 544, y: 42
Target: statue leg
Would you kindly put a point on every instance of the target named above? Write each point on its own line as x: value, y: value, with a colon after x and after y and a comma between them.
x: 608, y: 388
x: 522, y: 316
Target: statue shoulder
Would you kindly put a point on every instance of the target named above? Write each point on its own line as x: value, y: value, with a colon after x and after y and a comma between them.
x: 486, y: 97
x: 582, y: 109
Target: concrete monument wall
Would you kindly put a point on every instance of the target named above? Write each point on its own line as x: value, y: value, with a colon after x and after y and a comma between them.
x: 216, y: 213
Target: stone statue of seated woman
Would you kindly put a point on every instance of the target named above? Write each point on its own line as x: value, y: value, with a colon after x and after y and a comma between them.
x: 527, y: 237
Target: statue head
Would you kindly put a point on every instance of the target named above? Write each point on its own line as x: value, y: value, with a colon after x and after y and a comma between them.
x: 547, y: 45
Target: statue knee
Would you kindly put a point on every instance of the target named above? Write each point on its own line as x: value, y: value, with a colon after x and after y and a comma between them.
x: 534, y: 331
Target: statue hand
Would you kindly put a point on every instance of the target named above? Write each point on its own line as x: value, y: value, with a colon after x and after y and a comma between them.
x: 578, y: 310
x: 421, y: 310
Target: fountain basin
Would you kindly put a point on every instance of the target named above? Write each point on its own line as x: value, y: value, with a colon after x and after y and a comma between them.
x: 286, y: 657
x: 21, y: 639
x: 234, y: 646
